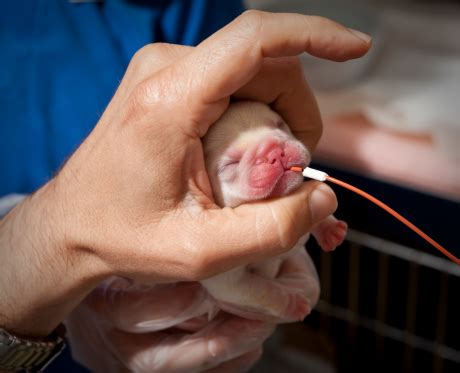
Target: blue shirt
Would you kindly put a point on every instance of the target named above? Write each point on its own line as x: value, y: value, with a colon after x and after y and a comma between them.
x: 61, y: 63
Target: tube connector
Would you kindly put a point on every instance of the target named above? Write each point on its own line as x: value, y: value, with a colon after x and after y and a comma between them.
x: 314, y: 174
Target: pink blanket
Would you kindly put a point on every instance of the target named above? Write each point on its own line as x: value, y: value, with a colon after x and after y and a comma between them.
x: 412, y: 161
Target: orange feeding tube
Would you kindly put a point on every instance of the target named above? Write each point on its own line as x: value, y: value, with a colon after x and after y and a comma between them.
x: 388, y: 209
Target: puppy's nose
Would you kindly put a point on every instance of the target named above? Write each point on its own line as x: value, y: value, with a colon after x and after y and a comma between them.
x: 276, y: 155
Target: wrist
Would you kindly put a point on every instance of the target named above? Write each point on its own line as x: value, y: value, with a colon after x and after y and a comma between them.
x: 43, y: 275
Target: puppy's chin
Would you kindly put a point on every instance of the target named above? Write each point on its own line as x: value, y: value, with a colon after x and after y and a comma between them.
x: 289, y: 182
x: 236, y: 195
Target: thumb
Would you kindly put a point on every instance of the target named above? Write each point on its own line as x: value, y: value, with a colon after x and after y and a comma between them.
x: 259, y: 230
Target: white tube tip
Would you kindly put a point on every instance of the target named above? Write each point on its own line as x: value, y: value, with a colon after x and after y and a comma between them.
x: 314, y: 174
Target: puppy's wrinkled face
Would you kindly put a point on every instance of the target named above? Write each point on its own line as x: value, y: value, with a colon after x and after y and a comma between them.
x: 249, y: 152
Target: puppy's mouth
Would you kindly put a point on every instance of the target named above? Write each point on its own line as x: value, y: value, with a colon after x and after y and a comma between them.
x: 275, y: 181
x: 288, y: 182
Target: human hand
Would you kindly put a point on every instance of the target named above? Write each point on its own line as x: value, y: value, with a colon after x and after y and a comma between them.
x: 122, y: 326
x: 140, y: 176
x: 134, y: 200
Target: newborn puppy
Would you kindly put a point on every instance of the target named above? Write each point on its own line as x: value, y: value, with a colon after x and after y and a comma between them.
x: 248, y: 154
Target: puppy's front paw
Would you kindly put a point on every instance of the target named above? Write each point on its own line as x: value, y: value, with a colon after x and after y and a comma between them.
x: 332, y: 235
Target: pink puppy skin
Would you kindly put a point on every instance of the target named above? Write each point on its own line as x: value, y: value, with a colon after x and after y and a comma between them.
x: 249, y: 152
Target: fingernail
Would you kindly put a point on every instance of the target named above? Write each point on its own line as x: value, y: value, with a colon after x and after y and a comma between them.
x: 322, y: 202
x: 361, y: 35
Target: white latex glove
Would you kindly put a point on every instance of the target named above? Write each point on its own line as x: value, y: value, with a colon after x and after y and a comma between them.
x: 111, y: 331
x: 124, y: 325
x: 281, y: 289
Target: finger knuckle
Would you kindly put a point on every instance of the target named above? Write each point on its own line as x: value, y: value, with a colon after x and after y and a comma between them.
x: 148, y: 58
x: 319, y: 20
x: 250, y: 21
x: 158, y: 50
x: 139, y: 56
x: 151, y: 50
x: 252, y: 15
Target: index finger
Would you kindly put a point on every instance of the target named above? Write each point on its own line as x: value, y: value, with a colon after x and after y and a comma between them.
x: 281, y: 84
x: 231, y: 57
